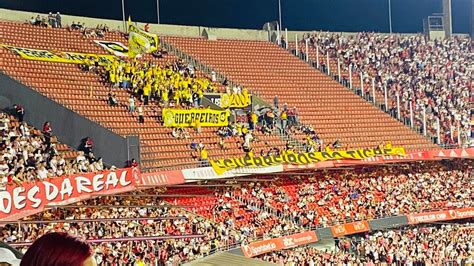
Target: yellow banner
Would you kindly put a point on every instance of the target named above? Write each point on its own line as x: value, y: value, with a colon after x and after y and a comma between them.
x: 189, y: 118
x: 221, y: 166
x: 233, y: 100
x: 140, y: 41
x: 61, y: 57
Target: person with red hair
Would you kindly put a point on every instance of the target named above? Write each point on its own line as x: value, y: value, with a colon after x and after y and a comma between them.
x: 59, y: 249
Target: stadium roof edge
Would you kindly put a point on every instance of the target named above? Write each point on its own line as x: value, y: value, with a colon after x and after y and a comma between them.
x: 161, y: 29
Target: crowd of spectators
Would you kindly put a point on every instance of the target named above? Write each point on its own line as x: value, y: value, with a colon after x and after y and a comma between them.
x: 431, y: 75
x: 28, y: 154
x: 242, y: 211
x: 98, y: 31
x: 128, y: 217
x: 170, y: 85
x: 450, y: 244
x: 332, y: 197
x: 52, y: 20
x: 176, y: 85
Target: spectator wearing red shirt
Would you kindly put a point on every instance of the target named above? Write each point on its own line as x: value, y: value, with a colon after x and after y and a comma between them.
x: 88, y: 144
x: 133, y: 163
x: 47, y: 130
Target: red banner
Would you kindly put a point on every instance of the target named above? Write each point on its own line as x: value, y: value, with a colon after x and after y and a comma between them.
x: 350, y: 228
x: 265, y: 246
x: 437, y: 216
x: 17, y: 202
x: 163, y: 178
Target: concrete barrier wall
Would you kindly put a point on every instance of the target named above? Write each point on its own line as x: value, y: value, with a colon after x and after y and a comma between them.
x: 390, y: 222
x: 164, y: 29
x: 160, y: 29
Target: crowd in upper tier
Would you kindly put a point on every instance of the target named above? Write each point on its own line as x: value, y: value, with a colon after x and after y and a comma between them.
x: 432, y: 75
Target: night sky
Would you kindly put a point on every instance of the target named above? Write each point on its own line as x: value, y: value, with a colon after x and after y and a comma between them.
x: 332, y: 15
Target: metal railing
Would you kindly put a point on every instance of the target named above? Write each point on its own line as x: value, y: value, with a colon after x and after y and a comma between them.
x: 312, y: 228
x: 220, y: 77
x: 369, y: 98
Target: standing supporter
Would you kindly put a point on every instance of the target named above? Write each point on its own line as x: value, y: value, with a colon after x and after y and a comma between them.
x: 47, y: 132
x: 131, y: 104
x: 283, y: 117
x: 295, y: 116
x: 203, y: 156
x: 19, y: 111
x: 51, y: 20
x: 141, y: 118
x: 133, y: 163
x: 88, y: 145
x: 58, y: 20
x: 197, y: 125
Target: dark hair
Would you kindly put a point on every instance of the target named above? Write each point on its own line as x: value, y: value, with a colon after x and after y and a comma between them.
x: 57, y: 249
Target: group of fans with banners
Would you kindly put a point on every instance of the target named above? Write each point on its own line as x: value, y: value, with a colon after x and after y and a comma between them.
x: 211, y: 218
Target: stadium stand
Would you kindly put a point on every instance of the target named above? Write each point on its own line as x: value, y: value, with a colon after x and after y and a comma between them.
x: 237, y: 212
x: 89, y: 96
x: 189, y: 223
x: 28, y: 154
x: 436, y: 245
x: 334, y: 112
x: 431, y: 75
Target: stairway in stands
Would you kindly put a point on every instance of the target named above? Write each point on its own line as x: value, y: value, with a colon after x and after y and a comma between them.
x: 84, y: 93
x: 332, y: 110
x: 344, y: 70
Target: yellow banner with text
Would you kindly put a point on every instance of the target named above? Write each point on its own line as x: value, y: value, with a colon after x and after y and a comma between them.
x: 195, y: 117
x: 236, y: 100
x: 60, y: 57
x: 223, y: 165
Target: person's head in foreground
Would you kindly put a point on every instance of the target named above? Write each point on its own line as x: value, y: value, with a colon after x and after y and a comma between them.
x: 59, y: 249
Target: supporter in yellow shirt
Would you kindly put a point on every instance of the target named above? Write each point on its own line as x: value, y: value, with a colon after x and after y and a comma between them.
x: 283, y: 117
x: 164, y: 97
x: 197, y: 125
x: 203, y: 157
x: 239, y: 129
x: 177, y: 97
x: 146, y: 93
x: 200, y: 96
x: 253, y: 120
x: 128, y: 68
